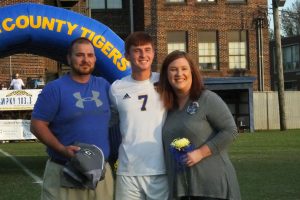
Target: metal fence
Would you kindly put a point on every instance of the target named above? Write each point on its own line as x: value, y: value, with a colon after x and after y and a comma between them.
x: 266, y: 110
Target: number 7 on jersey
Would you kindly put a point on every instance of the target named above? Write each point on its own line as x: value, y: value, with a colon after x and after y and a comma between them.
x: 144, y: 98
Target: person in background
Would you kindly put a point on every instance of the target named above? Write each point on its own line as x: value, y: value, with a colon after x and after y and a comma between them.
x: 73, y: 108
x: 141, y: 173
x: 29, y: 83
x: 16, y: 83
x: 3, y: 87
x: 201, y: 117
x: 39, y: 83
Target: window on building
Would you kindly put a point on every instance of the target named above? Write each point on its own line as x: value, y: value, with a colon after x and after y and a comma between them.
x: 206, y: 0
x: 176, y: 41
x: 105, y: 4
x: 175, y: 1
x: 207, y: 50
x: 236, y: 1
x: 290, y: 85
x: 290, y: 57
x: 237, y: 46
x: 274, y: 60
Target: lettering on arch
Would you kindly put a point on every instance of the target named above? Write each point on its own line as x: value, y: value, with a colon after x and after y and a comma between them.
x: 47, y: 31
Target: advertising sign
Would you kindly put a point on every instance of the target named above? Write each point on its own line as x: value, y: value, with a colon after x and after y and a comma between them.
x: 15, y: 130
x: 18, y: 99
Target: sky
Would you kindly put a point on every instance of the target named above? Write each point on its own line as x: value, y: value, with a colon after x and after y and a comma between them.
x: 288, y: 4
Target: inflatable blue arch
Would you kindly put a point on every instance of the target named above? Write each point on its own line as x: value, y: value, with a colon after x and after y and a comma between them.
x: 47, y: 31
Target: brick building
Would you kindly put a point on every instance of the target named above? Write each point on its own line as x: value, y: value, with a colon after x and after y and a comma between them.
x: 27, y: 65
x: 228, y: 38
x: 291, y: 63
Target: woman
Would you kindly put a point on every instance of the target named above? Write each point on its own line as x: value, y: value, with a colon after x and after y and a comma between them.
x: 200, y: 116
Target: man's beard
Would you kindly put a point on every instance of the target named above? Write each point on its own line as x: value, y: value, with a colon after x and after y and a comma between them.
x: 82, y: 71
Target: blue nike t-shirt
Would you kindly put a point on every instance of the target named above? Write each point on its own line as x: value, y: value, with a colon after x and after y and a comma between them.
x: 76, y: 112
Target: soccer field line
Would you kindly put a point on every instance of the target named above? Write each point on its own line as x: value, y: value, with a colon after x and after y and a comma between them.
x: 36, y: 179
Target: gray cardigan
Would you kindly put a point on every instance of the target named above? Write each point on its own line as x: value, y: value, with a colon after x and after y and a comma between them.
x: 212, y: 124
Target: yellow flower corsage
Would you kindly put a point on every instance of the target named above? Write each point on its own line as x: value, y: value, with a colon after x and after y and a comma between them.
x: 180, y: 143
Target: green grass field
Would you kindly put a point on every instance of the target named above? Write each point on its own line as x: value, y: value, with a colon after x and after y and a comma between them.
x: 267, y: 164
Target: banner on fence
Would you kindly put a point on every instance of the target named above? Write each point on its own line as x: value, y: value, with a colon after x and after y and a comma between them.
x: 18, y: 99
x: 15, y: 130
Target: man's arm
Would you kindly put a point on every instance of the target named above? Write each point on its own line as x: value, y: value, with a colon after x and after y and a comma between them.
x: 11, y: 84
x: 41, y: 130
x: 22, y: 83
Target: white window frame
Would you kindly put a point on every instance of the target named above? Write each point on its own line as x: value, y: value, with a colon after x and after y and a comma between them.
x: 206, y: 1
x: 291, y: 64
x: 175, y: 1
x: 207, y: 50
x: 105, y: 4
x: 176, y: 41
x: 237, y: 51
x: 236, y: 1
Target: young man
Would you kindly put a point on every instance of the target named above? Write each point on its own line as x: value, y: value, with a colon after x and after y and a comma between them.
x: 74, y: 108
x: 141, y: 169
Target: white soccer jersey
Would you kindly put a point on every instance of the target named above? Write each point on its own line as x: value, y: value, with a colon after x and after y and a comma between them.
x: 141, y: 114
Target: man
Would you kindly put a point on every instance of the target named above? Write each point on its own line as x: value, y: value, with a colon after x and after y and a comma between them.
x: 17, y: 83
x: 39, y: 83
x: 74, y: 108
x: 141, y: 169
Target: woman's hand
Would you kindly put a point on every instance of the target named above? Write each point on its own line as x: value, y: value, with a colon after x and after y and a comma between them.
x: 197, y: 155
x: 193, y: 157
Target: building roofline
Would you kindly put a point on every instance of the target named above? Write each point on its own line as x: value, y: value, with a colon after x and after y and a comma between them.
x: 229, y: 80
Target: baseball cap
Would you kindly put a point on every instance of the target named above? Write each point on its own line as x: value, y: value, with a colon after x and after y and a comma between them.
x: 86, y: 169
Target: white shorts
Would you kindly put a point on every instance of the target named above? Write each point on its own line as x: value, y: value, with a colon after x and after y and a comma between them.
x: 142, y: 187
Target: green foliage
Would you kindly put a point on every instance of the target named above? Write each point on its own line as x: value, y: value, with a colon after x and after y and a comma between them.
x: 290, y: 20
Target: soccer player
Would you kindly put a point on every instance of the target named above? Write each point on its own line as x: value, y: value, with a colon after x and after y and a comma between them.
x: 141, y: 170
